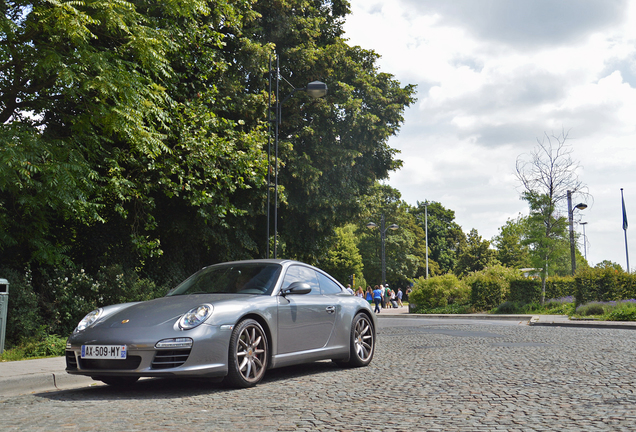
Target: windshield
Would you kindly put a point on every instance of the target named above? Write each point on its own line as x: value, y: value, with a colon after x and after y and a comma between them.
x: 240, y: 278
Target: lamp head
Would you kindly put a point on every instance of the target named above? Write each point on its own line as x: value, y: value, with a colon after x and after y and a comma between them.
x: 316, y: 89
x: 371, y: 225
x: 581, y: 206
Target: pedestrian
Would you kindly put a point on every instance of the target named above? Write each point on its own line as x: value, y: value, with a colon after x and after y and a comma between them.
x: 377, y: 298
x: 408, y: 291
x: 387, y: 296
x: 399, y: 297
x: 392, y: 297
x: 360, y: 293
x: 369, y: 295
x: 349, y: 290
x: 382, y: 302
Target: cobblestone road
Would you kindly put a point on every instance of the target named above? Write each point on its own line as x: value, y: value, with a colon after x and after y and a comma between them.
x: 425, y: 376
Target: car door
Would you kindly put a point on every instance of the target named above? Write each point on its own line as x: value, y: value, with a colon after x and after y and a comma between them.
x: 305, y: 321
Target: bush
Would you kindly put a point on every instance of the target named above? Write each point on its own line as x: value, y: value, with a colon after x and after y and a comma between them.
x: 509, y: 307
x: 63, y: 296
x: 592, y: 308
x: 23, y: 314
x: 490, y: 287
x: 623, y: 311
x: 438, y: 292
x: 45, y: 346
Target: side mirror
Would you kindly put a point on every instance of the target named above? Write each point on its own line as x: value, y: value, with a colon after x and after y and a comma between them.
x: 297, y: 288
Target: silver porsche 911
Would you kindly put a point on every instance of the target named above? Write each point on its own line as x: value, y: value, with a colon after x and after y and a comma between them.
x: 233, y: 320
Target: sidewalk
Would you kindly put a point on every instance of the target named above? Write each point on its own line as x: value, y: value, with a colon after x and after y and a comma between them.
x: 41, y: 375
x: 532, y: 320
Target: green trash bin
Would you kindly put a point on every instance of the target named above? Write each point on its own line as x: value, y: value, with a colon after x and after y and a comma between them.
x: 4, y: 307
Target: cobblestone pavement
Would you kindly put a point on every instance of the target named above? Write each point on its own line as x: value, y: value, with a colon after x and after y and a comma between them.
x: 425, y: 376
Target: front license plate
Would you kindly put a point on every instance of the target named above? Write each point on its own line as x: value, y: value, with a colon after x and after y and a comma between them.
x: 113, y: 352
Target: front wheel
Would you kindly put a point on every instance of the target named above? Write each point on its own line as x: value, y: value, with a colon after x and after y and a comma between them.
x: 362, y: 342
x: 247, y: 357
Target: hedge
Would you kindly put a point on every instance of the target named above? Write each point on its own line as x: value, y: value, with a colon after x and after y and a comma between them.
x: 529, y: 290
x: 606, y: 284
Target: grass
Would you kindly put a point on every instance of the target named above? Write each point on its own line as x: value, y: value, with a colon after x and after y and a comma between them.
x: 624, y: 310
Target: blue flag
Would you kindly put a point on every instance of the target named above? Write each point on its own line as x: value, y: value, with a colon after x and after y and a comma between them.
x: 624, y: 212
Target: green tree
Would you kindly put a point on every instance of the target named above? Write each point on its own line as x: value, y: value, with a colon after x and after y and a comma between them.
x: 332, y: 150
x: 475, y: 255
x: 547, y: 174
x: 343, y: 259
x: 445, y: 236
x: 607, y: 264
x: 402, y: 249
x: 134, y: 133
x: 512, y: 250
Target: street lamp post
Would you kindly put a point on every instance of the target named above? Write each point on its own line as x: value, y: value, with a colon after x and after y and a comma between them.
x: 584, y: 241
x: 383, y: 231
x: 426, y: 232
x: 580, y: 206
x: 315, y: 89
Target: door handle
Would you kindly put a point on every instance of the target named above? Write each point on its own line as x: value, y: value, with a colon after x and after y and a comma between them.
x: 331, y: 309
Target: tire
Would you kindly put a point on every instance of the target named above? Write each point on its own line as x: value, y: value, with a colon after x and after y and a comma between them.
x: 248, y: 355
x: 118, y: 381
x: 361, y: 342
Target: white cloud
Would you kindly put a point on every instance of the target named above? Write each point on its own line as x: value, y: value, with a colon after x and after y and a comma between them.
x: 493, y: 76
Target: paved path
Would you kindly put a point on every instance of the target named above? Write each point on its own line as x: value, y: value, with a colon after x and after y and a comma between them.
x: 464, y: 375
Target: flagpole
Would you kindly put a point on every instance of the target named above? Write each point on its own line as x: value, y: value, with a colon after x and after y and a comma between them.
x: 625, y: 229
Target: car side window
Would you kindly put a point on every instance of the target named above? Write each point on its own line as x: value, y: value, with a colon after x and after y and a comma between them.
x: 327, y: 286
x: 298, y: 273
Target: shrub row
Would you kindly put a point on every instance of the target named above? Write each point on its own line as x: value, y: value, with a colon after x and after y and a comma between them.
x: 529, y: 290
x: 606, y: 284
x: 495, y: 285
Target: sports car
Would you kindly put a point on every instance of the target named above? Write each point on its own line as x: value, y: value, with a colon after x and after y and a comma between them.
x: 232, y: 321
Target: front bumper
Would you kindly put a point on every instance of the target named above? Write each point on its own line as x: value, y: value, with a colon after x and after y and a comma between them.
x: 207, y: 357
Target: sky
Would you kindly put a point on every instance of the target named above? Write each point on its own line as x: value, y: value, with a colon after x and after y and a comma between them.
x: 495, y: 77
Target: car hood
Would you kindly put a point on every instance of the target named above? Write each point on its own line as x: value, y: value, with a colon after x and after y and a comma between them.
x: 164, y: 310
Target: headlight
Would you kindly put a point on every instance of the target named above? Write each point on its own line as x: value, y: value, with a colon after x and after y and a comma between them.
x: 195, y: 316
x: 88, y: 320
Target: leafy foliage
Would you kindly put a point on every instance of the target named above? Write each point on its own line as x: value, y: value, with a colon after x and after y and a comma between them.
x: 512, y: 249
x: 529, y: 290
x: 343, y: 259
x: 135, y: 134
x: 445, y: 237
x: 475, y: 255
x: 490, y: 287
x: 604, y: 284
x: 439, y: 291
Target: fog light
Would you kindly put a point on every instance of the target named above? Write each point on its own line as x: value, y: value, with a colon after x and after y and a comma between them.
x: 174, y: 343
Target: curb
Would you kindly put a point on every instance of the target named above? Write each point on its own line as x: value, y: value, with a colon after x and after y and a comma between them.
x: 42, y: 382
x: 458, y: 316
x: 532, y: 320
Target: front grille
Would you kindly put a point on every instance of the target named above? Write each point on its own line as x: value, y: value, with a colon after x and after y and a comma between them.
x: 129, y: 363
x: 71, y: 362
x: 170, y: 358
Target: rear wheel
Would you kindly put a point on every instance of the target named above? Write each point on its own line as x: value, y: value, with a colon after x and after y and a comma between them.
x: 247, y: 357
x: 362, y: 342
